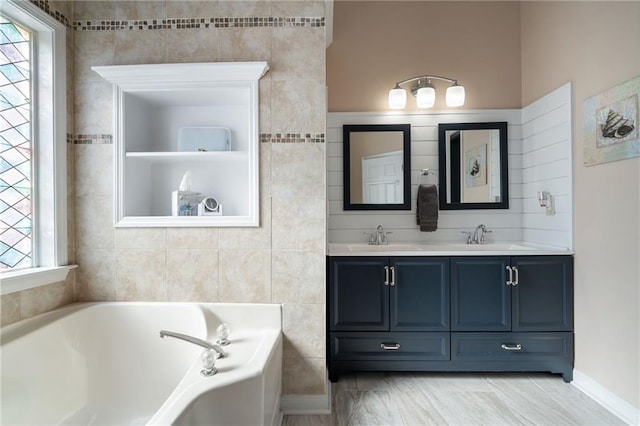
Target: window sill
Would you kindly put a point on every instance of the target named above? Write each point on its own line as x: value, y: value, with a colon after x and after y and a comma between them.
x: 25, y: 279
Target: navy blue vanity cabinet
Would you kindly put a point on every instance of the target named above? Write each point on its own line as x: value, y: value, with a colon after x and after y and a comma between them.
x: 387, y: 313
x: 358, y: 297
x: 512, y: 313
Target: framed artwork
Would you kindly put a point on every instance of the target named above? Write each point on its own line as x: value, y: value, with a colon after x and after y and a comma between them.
x: 611, y: 124
x: 475, y: 166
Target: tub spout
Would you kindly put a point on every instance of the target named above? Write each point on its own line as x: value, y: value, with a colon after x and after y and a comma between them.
x: 221, y: 353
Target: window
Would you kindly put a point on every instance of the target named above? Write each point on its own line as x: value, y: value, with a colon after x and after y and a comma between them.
x: 33, y: 197
x: 15, y: 146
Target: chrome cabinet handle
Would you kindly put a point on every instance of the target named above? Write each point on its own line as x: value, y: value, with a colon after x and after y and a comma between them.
x: 516, y: 347
x: 390, y: 347
x: 510, y: 282
x: 393, y: 276
x: 386, y: 275
x: 517, y: 281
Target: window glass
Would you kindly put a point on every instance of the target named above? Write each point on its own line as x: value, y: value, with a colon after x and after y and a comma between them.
x: 16, y: 244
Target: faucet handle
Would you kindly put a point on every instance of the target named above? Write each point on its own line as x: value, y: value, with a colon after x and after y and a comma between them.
x: 372, y: 237
x: 485, y: 231
x: 468, y: 236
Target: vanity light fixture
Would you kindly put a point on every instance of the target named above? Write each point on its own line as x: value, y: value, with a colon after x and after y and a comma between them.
x: 425, y: 93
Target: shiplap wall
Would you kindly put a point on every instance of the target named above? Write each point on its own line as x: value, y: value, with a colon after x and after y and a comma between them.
x: 349, y: 226
x: 539, y: 152
x: 547, y: 166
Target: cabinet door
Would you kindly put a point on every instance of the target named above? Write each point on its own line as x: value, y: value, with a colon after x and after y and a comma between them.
x: 419, y: 294
x: 480, y: 296
x: 358, y: 295
x: 542, y: 299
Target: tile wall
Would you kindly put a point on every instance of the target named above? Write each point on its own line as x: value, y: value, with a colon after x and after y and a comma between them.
x: 283, y: 260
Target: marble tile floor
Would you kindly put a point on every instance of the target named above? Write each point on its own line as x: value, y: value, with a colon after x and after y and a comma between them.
x: 457, y: 399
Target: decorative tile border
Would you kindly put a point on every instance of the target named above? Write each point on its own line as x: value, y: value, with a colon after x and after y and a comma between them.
x: 93, y: 139
x: 292, y: 138
x: 46, y: 7
x: 96, y: 139
x: 197, y: 23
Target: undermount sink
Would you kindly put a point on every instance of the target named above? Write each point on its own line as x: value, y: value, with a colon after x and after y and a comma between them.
x: 384, y: 247
x: 488, y: 247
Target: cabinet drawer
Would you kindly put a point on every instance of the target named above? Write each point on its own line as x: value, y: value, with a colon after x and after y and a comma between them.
x: 510, y: 346
x: 390, y: 346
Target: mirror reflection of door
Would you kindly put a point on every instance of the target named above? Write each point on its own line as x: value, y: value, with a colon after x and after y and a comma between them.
x: 375, y: 145
x: 382, y: 179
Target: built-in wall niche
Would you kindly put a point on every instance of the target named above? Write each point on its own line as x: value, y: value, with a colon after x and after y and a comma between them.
x: 152, y: 103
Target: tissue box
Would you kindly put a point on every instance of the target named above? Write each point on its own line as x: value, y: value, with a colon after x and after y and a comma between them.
x: 204, y: 139
x: 185, y: 203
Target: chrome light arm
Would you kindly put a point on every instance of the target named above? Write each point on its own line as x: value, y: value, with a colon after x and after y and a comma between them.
x: 195, y: 341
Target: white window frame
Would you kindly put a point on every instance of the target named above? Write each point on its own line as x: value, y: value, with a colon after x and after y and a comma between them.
x: 49, y: 195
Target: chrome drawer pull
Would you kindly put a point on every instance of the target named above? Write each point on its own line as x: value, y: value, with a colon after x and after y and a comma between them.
x: 388, y: 347
x: 517, y: 281
x: 386, y: 275
x: 510, y: 282
x: 517, y: 347
x: 393, y: 276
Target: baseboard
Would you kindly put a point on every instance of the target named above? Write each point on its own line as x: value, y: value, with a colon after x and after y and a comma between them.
x: 306, y: 404
x: 612, y: 402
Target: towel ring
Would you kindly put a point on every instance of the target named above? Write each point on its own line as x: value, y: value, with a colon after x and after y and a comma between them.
x: 423, y: 172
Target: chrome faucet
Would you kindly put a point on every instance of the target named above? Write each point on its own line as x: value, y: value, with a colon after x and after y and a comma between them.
x: 478, y: 238
x: 379, y: 237
x: 221, y: 353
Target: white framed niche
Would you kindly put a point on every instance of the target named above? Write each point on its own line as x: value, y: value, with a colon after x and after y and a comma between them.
x: 151, y: 103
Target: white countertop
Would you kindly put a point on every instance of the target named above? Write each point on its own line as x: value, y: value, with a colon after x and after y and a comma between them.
x: 445, y: 249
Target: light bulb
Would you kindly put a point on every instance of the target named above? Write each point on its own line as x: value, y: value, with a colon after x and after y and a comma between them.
x: 455, y: 95
x: 426, y: 97
x: 397, y: 98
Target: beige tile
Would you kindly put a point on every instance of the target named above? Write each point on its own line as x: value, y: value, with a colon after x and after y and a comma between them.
x: 303, y: 375
x: 192, y: 45
x: 10, y: 309
x: 94, y: 10
x: 250, y: 238
x: 141, y: 47
x: 265, y: 103
x: 62, y: 6
x: 298, y: 8
x: 95, y: 278
x: 141, y: 238
x: 92, y: 48
x: 244, y: 9
x: 245, y: 276
x: 141, y: 275
x: 298, y: 106
x: 245, y: 44
x: 39, y: 300
x: 192, y: 275
x: 148, y: 9
x: 265, y: 171
x: 94, y: 169
x: 298, y: 53
x: 93, y: 107
x: 304, y: 329
x: 298, y: 169
x: 192, y: 9
x: 298, y: 223
x: 300, y: 277
x: 94, y: 222
x: 192, y: 238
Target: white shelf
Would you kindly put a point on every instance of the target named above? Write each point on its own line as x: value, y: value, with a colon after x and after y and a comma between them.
x: 152, y: 103
x: 173, y: 157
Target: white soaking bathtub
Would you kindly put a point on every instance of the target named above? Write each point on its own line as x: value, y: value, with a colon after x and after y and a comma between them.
x: 105, y: 364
